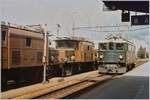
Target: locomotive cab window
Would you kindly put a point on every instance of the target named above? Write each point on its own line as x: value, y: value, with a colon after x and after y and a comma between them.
x: 28, y: 42
x: 66, y: 44
x: 111, y: 46
x: 103, y: 46
x: 119, y: 46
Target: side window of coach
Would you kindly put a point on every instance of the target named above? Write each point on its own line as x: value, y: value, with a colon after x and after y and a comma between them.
x: 28, y: 42
x: 3, y: 38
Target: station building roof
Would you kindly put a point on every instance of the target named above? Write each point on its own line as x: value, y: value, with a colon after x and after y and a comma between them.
x: 136, y: 6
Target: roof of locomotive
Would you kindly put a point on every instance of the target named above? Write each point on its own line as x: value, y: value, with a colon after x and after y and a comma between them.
x: 21, y: 27
x: 79, y: 39
x: 117, y: 39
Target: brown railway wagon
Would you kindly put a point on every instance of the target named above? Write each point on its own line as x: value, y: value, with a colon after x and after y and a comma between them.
x: 22, y: 52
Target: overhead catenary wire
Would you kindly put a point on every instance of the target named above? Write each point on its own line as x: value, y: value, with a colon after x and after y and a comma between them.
x: 105, y: 26
x: 89, y: 29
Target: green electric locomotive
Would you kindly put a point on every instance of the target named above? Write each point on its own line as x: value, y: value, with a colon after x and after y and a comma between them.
x: 116, y: 55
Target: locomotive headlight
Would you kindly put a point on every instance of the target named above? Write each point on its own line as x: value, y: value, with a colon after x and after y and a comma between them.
x: 101, y: 56
x: 120, y: 57
x: 72, y: 57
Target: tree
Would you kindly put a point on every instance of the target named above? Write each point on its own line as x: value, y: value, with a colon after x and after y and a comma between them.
x: 141, y: 53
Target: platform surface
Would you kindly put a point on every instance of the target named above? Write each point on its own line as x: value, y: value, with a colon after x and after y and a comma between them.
x: 132, y: 85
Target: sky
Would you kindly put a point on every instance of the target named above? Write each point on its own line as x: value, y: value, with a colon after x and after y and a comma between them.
x: 66, y: 12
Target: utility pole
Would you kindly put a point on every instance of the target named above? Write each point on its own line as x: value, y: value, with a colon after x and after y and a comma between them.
x: 58, y: 27
x: 45, y: 57
x: 73, y: 23
x: 73, y: 28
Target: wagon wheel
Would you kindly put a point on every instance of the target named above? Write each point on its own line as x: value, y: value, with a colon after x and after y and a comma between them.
x: 68, y: 72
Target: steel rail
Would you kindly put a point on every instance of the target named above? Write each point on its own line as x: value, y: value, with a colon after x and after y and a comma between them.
x: 75, y: 88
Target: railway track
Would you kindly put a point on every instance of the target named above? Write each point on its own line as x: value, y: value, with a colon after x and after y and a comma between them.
x: 14, y: 85
x: 76, y: 88
x: 60, y: 91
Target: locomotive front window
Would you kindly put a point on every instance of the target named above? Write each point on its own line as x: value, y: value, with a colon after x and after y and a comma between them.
x: 119, y: 46
x: 66, y: 44
x: 103, y: 46
x: 111, y: 46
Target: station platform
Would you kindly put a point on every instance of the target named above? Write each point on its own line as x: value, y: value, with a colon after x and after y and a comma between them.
x: 132, y: 85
